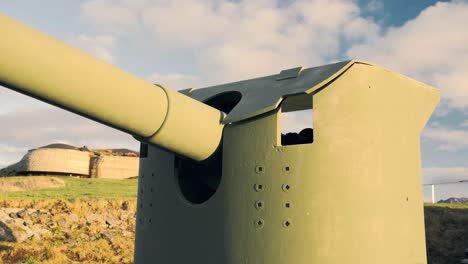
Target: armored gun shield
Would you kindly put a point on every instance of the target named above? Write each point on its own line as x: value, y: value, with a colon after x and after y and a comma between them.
x: 353, y: 194
x: 218, y: 185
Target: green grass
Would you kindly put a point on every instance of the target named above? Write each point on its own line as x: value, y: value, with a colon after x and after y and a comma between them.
x: 447, y: 205
x: 76, y: 188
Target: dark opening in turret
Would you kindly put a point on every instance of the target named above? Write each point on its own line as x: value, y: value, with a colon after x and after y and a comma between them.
x: 225, y: 101
x: 199, y: 180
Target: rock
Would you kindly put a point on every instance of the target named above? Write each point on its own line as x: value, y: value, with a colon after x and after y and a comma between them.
x: 3, y: 216
x: 125, y: 205
x: 22, y: 213
x: 61, y: 222
x: 73, y: 218
x: 66, y: 232
x: 124, y: 215
x: 8, y: 211
x: 19, y: 224
x: 27, y: 223
x: 113, y: 222
x: 92, y: 218
x: 43, y: 211
x: 51, y: 224
x: 13, y: 215
x: 10, y: 221
x: 14, y: 231
x: 126, y: 233
x: 38, y: 214
x: 6, y: 234
x: 39, y: 232
x: 107, y: 236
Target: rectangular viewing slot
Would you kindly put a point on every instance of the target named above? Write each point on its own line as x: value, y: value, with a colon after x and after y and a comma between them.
x: 297, y: 120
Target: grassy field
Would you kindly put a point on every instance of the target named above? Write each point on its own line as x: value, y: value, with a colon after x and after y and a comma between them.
x: 76, y: 188
x: 446, y: 205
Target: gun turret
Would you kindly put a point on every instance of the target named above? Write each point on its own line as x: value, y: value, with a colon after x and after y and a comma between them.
x: 348, y: 188
x: 40, y: 66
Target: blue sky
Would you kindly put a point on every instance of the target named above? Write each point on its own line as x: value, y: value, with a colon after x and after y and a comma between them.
x: 195, y: 43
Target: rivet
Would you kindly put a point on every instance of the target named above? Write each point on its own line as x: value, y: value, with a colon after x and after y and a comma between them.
x: 259, y: 169
x: 287, y: 223
x: 287, y: 204
x: 286, y: 187
x: 259, y: 187
x: 259, y: 205
x: 287, y: 169
x: 259, y: 223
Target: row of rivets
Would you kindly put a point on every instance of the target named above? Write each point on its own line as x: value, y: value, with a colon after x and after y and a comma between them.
x: 151, y: 189
x: 260, y: 187
x: 260, y: 223
x: 259, y: 204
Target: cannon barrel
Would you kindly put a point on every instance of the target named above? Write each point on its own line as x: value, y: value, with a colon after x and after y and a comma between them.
x: 40, y: 66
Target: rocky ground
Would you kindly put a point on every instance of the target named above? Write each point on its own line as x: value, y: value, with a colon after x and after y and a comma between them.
x: 102, y: 231
x: 67, y: 231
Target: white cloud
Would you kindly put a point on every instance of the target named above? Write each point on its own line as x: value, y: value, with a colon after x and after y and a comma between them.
x: 432, y: 48
x: 361, y: 30
x: 176, y: 81
x: 296, y: 121
x: 243, y: 39
x: 374, y: 6
x: 33, y: 127
x: 115, y: 16
x: 447, y: 139
x: 100, y: 46
x: 447, y: 180
x: 233, y: 40
x: 444, y: 174
x: 12, y: 101
x: 9, y: 154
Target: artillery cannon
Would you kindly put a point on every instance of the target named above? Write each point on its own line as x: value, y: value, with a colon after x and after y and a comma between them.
x: 216, y: 183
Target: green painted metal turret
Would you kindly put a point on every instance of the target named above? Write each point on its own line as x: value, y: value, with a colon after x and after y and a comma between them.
x: 217, y: 182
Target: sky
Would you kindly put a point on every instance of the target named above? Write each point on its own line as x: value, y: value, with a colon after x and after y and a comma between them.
x: 183, y: 43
